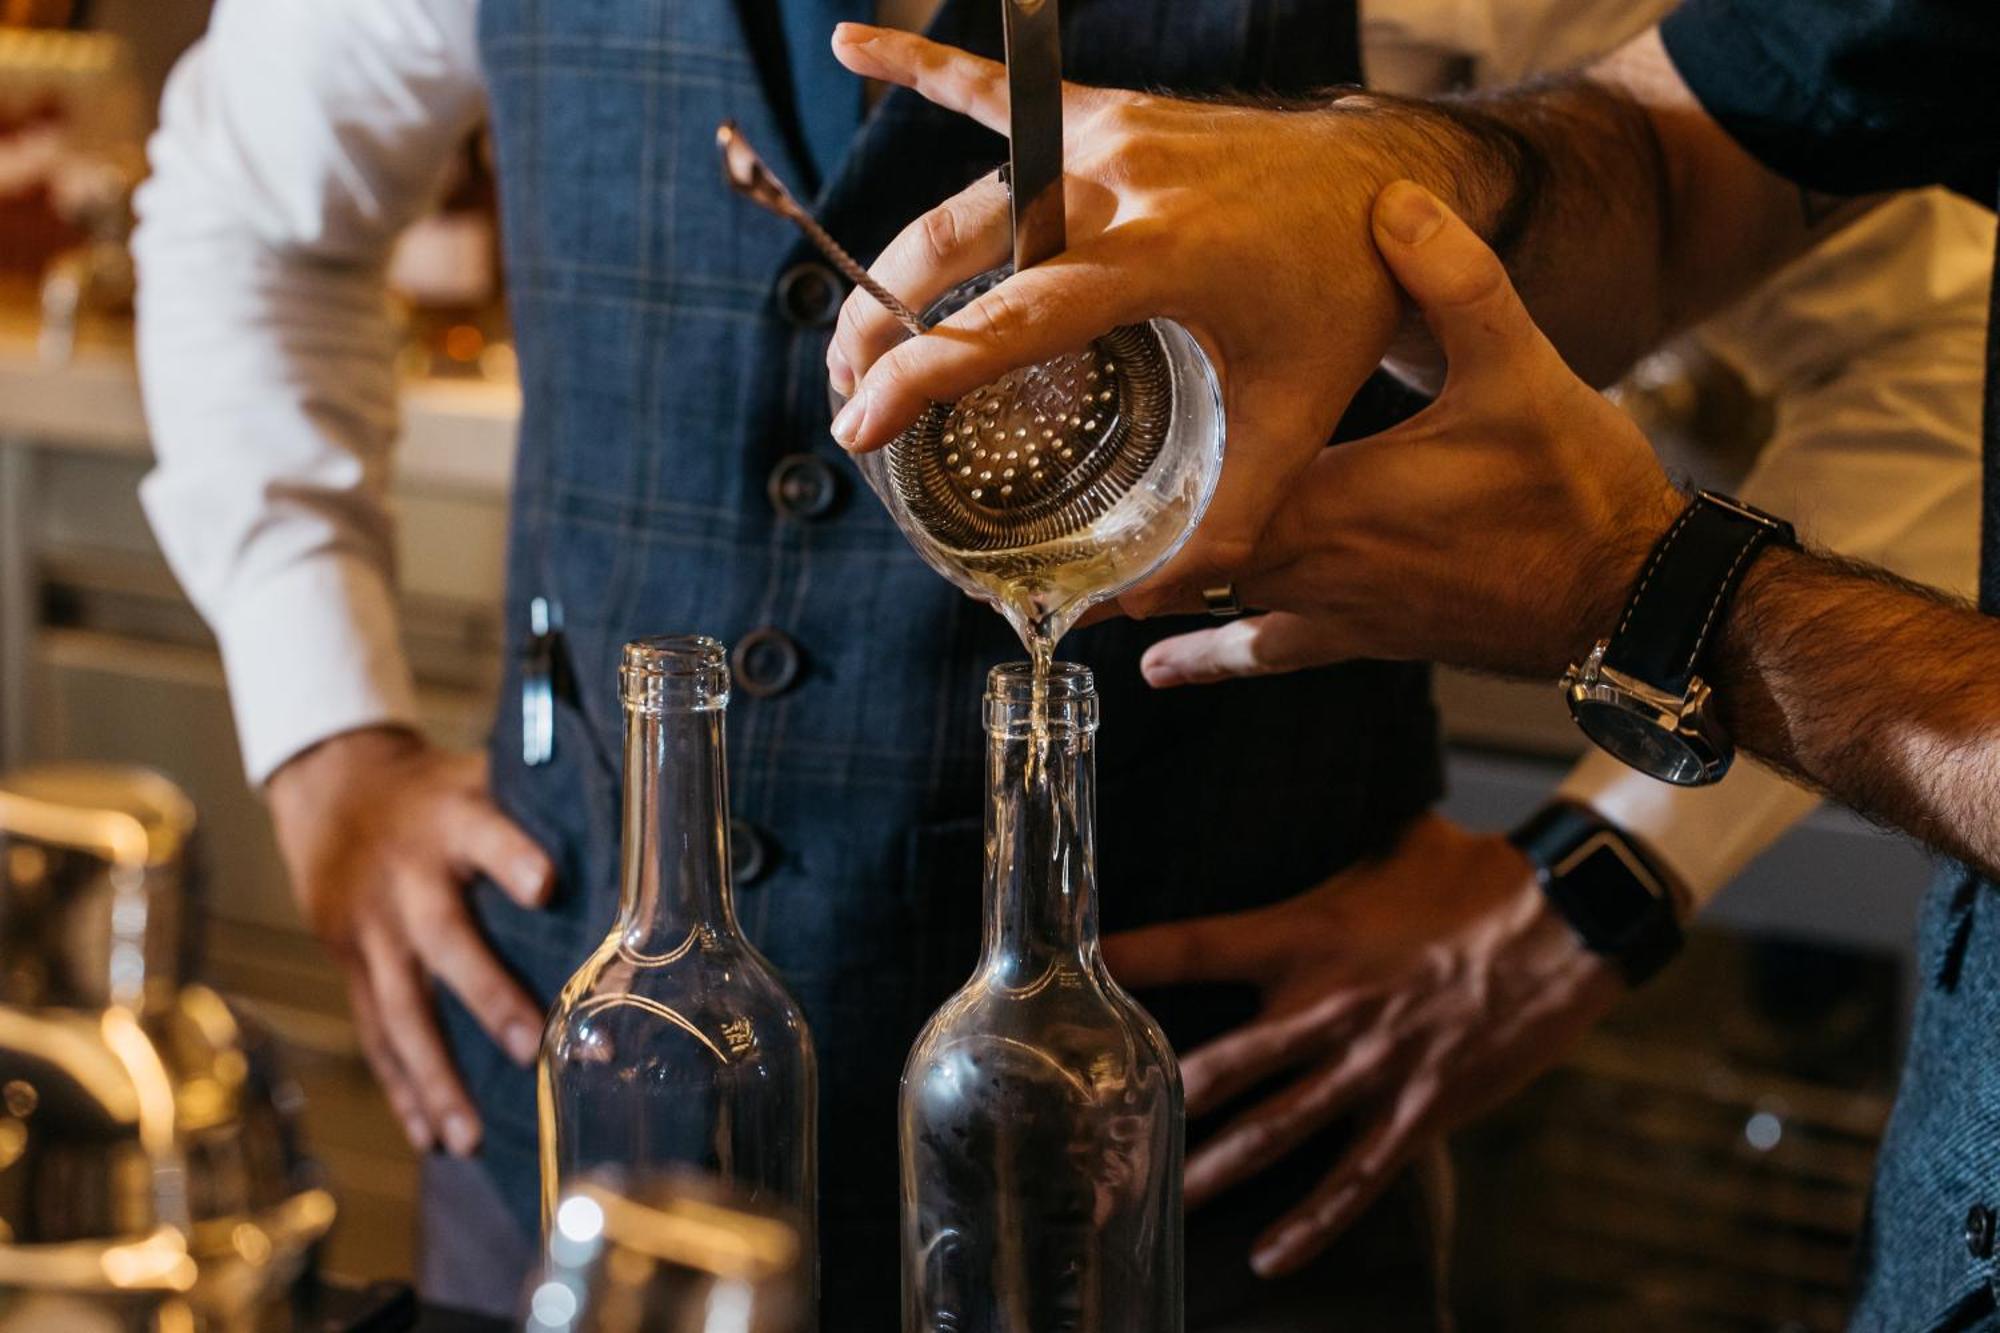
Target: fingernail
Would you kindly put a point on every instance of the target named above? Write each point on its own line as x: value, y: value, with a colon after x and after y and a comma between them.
x: 418, y: 1133
x: 847, y: 426
x: 838, y: 373
x: 461, y: 1135
x: 523, y: 1043
x: 531, y: 877
x: 1266, y: 1259
x: 1410, y: 213
x: 1161, y: 675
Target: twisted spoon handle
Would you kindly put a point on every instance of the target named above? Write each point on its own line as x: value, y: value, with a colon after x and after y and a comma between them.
x: 748, y: 176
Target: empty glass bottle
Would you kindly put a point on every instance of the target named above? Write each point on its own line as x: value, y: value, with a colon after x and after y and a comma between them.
x: 676, y: 1043
x: 1041, y: 1108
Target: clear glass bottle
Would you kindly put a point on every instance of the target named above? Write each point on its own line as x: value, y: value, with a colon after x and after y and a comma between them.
x: 1041, y: 1117
x: 676, y: 1044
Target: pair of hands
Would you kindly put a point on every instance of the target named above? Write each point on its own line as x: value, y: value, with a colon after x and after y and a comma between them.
x: 1494, y: 529
x: 1498, y: 529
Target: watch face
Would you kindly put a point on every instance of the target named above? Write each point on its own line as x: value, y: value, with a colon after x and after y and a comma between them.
x: 1640, y: 742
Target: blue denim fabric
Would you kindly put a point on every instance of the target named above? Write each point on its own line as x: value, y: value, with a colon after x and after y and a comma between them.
x: 1940, y: 1158
x: 661, y: 383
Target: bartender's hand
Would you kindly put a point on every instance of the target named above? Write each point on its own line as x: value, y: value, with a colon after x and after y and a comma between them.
x: 1410, y: 994
x: 1268, y: 264
x: 1502, y: 528
x: 382, y: 833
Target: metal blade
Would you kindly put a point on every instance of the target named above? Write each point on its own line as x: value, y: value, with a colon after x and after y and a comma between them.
x: 1034, y: 149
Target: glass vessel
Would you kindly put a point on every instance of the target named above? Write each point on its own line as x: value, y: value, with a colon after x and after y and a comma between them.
x: 1064, y: 483
x: 675, y: 1044
x: 1041, y: 1122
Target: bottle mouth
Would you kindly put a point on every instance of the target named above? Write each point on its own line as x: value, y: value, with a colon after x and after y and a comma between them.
x: 674, y: 673
x: 1010, y: 695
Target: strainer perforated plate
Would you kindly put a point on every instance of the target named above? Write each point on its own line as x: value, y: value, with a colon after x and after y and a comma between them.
x: 1043, y: 452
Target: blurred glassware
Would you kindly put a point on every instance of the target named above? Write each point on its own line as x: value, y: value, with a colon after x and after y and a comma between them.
x: 1041, y: 1116
x: 668, y: 1253
x: 676, y: 1044
x: 151, y: 1173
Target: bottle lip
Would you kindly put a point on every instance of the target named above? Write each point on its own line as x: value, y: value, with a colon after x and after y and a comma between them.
x: 1010, y: 689
x: 674, y: 672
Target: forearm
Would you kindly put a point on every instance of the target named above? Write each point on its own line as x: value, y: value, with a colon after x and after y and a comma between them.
x: 1623, y: 212
x: 1877, y: 692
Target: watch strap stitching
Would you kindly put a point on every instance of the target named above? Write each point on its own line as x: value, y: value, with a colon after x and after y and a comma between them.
x: 1723, y: 590
x: 1653, y: 565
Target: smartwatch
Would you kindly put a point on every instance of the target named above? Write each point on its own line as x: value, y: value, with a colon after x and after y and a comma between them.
x: 1613, y: 895
x: 1639, y: 695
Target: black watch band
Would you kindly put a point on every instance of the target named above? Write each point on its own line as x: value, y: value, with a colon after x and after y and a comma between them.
x: 1684, y: 588
x: 1611, y: 893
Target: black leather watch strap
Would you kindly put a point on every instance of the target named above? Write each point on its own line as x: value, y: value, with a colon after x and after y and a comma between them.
x: 1611, y: 893
x: 1685, y: 586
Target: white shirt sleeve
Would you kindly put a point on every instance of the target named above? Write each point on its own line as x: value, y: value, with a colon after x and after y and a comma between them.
x: 296, y: 140
x: 1872, y: 348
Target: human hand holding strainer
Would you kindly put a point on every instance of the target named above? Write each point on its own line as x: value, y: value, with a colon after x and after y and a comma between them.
x: 1064, y: 483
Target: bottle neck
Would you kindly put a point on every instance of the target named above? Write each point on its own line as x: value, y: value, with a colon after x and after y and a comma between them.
x: 676, y: 839
x: 1041, y: 854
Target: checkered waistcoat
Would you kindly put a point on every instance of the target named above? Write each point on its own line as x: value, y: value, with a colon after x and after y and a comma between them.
x: 675, y: 475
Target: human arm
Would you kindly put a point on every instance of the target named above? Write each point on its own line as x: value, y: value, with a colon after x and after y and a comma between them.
x: 1247, y: 224
x: 1871, y: 349
x: 297, y: 139
x: 1503, y: 528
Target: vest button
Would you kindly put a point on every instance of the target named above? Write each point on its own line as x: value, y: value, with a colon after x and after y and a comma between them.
x: 766, y: 662
x: 809, y: 295
x: 749, y: 852
x: 802, y: 486
x: 1979, y: 1232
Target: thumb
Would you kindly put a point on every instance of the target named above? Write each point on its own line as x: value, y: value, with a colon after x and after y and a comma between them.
x: 1455, y: 279
x: 1263, y: 645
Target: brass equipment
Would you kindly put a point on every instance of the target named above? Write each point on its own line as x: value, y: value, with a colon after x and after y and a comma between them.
x: 670, y: 1253
x: 151, y: 1177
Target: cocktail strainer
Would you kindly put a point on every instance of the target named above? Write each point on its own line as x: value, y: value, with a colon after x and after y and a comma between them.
x: 1060, y: 484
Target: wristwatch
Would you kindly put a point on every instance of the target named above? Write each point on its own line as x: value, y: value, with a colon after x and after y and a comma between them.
x: 1613, y: 895
x: 1639, y: 694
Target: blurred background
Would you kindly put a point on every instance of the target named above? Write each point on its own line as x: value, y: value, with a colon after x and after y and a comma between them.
x: 1711, y: 1172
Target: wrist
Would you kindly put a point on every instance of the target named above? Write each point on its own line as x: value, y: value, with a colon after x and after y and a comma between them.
x: 1609, y: 889
x: 332, y: 757
x: 1620, y: 556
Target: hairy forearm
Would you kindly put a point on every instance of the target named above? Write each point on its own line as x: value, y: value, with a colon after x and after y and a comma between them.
x: 1623, y: 211
x: 1880, y: 693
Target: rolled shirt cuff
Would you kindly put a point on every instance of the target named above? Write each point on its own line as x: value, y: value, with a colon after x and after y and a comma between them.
x: 1704, y: 835
x: 312, y: 651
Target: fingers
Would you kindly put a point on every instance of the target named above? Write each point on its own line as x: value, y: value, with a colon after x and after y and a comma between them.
x: 1455, y: 279
x: 405, y: 1013
x: 483, y: 839
x: 1369, y: 1167
x: 1260, y: 1137
x: 953, y: 79
x: 1212, y: 948
x: 403, y: 1099
x: 1230, y: 1066
x: 1277, y: 641
x: 959, y: 239
x: 1055, y: 307
x: 455, y: 954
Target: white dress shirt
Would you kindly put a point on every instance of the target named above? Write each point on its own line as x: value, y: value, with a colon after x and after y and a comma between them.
x: 300, y: 137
